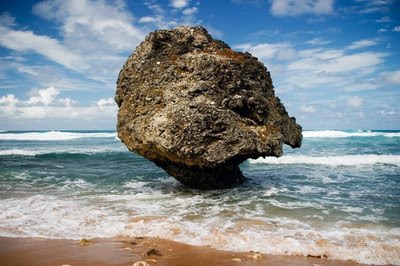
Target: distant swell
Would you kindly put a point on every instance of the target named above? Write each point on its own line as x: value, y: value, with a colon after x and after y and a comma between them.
x: 345, y: 160
x: 54, y: 135
x: 347, y: 134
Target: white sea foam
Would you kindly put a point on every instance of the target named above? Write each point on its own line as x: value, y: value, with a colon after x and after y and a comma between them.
x: 343, y: 160
x: 54, y: 135
x: 347, y: 134
x: 18, y: 152
x: 49, y: 216
x: 56, y: 217
x: 274, y: 191
x: 59, y: 150
x: 76, y: 184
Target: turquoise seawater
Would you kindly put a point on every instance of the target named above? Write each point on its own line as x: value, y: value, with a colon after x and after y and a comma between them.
x: 338, y: 196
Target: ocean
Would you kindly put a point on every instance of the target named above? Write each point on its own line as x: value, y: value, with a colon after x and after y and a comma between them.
x: 338, y: 196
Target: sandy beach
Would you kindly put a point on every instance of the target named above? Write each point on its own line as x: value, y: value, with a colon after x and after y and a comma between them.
x: 127, y: 251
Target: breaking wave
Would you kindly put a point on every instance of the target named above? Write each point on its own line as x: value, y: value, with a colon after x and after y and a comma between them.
x: 347, y: 134
x: 54, y: 135
x: 343, y: 160
x: 22, y: 152
x: 18, y: 152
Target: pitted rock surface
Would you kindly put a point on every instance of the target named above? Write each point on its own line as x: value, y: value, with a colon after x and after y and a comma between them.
x: 198, y: 109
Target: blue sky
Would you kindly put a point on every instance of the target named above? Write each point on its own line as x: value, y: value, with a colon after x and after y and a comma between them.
x: 334, y: 64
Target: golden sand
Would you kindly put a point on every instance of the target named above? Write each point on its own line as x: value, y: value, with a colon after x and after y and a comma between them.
x: 127, y: 251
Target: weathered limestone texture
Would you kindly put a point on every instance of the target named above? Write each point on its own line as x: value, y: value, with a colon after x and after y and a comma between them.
x: 198, y: 109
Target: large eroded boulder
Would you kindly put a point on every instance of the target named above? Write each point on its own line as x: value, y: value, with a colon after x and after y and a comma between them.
x: 198, y: 109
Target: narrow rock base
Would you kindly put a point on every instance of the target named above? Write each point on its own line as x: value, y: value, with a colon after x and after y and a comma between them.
x: 225, y: 176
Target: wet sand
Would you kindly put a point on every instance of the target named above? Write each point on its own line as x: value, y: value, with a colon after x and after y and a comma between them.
x: 126, y: 251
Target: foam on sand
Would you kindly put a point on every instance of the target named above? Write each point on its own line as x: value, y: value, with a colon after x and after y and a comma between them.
x: 54, y: 135
x: 55, y: 217
x: 343, y: 160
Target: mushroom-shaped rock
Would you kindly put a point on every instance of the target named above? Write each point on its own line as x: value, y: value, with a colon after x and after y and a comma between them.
x: 198, y: 109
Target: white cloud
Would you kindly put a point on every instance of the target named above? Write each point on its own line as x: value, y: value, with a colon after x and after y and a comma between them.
x: 44, y: 96
x: 343, y: 63
x: 179, y: 3
x: 278, y: 51
x: 8, y: 100
x: 46, y: 46
x: 160, y: 18
x: 67, y: 102
x: 318, y: 68
x: 359, y: 86
x: 108, y: 24
x: 190, y: 11
x: 392, y: 77
x: 321, y: 53
x: 53, y: 108
x: 93, y: 39
x: 298, y: 7
x: 78, y: 113
x: 371, y: 6
x: 307, y: 109
x: 8, y: 105
x: 355, y: 101
x: 361, y: 44
x: 317, y: 41
x: 44, y: 76
x: 94, y: 34
x: 147, y: 19
x: 27, y: 70
x: 397, y: 29
x: 105, y: 102
x: 6, y: 19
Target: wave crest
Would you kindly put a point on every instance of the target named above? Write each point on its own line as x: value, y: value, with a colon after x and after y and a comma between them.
x: 347, y: 134
x: 344, y: 160
x: 54, y: 135
x: 17, y: 152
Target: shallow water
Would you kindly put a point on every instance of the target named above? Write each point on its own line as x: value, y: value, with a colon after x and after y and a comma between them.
x: 336, y: 196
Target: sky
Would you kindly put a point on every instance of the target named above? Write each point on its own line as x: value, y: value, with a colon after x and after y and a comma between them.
x: 335, y: 64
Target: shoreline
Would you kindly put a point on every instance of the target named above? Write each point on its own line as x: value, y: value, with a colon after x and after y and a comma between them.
x: 128, y: 250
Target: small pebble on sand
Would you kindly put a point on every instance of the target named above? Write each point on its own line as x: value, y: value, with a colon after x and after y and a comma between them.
x: 255, y: 255
x: 84, y: 242
x: 153, y: 252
